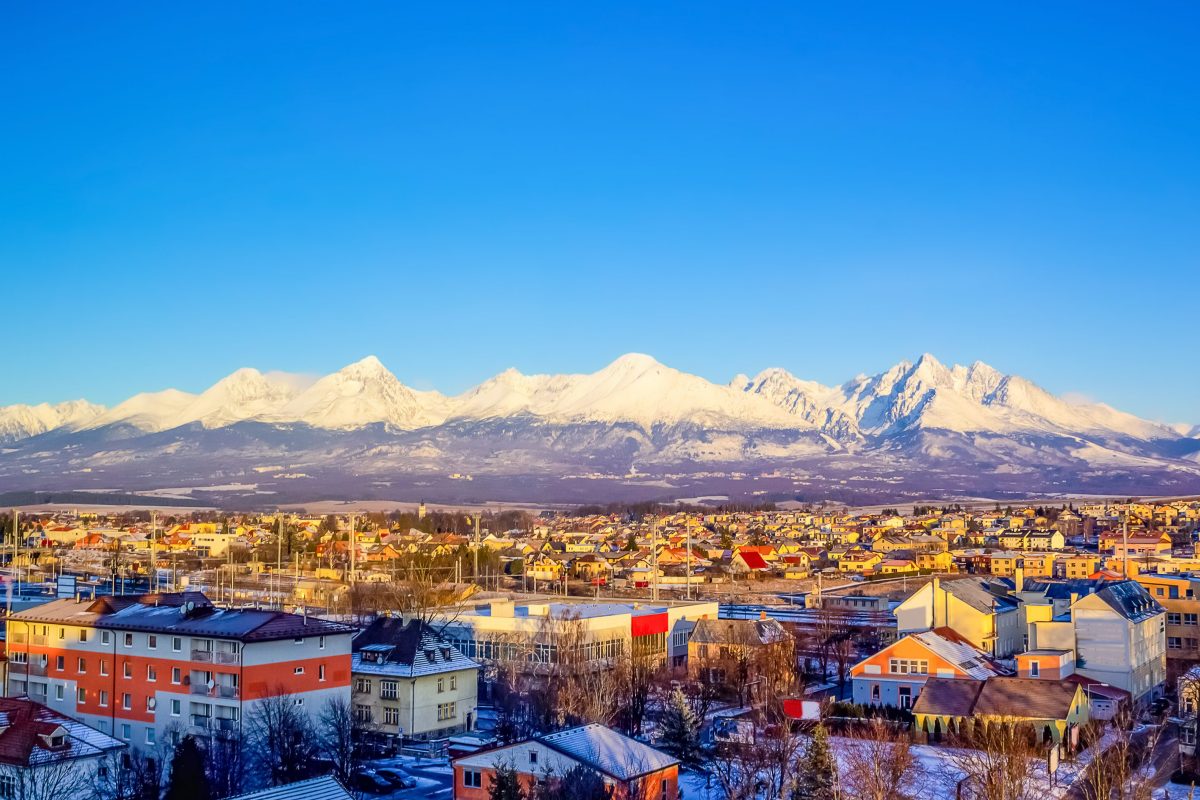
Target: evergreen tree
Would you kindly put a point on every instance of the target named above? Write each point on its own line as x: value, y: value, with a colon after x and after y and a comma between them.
x: 679, y: 732
x: 816, y: 775
x: 506, y: 784
x: 188, y: 780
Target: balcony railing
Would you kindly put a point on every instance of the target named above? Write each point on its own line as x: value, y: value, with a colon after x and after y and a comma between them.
x: 38, y: 638
x: 27, y: 669
x: 225, y: 724
x: 202, y: 655
x: 227, y: 691
x: 201, y: 721
x: 227, y: 658
x: 200, y: 689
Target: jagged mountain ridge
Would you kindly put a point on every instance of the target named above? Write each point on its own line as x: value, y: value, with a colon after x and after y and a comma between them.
x: 973, y: 426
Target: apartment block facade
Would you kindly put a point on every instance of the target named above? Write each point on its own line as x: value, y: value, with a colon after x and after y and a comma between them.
x: 141, y: 668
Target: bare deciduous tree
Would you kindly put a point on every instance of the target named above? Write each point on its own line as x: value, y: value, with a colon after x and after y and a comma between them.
x: 998, y: 762
x: 878, y: 764
x: 280, y: 738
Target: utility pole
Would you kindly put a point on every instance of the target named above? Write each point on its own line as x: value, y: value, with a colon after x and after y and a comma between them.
x: 654, y: 556
x: 475, y: 574
x: 353, y: 553
x: 1125, y: 542
x: 688, y: 568
x: 279, y: 561
x: 153, y: 572
x: 16, y: 568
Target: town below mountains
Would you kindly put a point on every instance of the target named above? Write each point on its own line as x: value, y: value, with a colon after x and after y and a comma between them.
x: 634, y: 430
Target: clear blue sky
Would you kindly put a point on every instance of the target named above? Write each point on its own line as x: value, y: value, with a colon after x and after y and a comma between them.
x: 190, y: 188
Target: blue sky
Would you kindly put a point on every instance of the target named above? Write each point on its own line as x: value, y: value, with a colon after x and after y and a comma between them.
x: 461, y: 188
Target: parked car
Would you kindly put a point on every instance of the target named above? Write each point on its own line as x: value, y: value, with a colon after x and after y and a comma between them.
x: 396, y: 778
x: 372, y: 782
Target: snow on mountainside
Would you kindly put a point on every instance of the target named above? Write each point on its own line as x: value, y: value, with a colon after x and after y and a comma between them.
x: 246, y: 394
x: 22, y: 421
x: 901, y: 401
x: 361, y: 394
x: 634, y: 388
x: 928, y: 395
x: 148, y: 411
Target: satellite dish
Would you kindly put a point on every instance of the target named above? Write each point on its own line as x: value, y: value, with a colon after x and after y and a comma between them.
x: 151, y: 703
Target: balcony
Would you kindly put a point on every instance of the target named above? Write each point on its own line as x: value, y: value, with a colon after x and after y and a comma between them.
x: 27, y: 669
x: 229, y: 692
x: 202, y: 655
x: 225, y: 725
x: 200, y: 689
x: 37, y: 638
x: 227, y: 658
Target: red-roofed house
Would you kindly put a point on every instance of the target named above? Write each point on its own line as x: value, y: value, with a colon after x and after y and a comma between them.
x: 46, y: 754
x: 749, y: 562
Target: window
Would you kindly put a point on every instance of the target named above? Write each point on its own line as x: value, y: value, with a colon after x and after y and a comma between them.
x: 446, y: 711
x: 1190, y: 619
x: 905, y: 693
x: 532, y: 754
x: 82, y: 665
x: 150, y: 705
x: 129, y: 640
x: 60, y: 663
x: 127, y: 669
x: 362, y: 685
x: 441, y: 685
x: 58, y: 692
x: 322, y: 642
x: 126, y: 731
x: 473, y: 779
x: 1187, y: 734
x: 83, y: 634
x: 127, y: 701
x: 453, y: 682
x: 362, y: 713
x: 391, y: 715
x: 62, y: 633
x: 175, y: 675
x: 151, y: 673
x: 149, y: 735
x: 320, y: 672
x: 103, y: 699
x: 298, y: 640
x: 874, y: 692
x: 152, y: 642
x: 81, y: 695
x: 298, y: 671
x: 176, y: 644
x: 1174, y: 618
x: 1174, y: 643
x: 908, y: 666
x: 105, y: 637
x: 103, y: 666
x: 1035, y: 669
x: 389, y: 690
x: 175, y: 704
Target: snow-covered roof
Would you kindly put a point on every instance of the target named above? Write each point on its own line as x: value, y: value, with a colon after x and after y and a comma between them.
x: 947, y: 646
x: 609, y: 751
x: 324, y: 788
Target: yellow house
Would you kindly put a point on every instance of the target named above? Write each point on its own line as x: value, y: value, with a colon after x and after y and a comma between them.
x: 937, y: 562
x: 859, y: 562
x: 1051, y: 708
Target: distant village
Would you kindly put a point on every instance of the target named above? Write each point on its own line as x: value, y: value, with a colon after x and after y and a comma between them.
x: 651, y: 651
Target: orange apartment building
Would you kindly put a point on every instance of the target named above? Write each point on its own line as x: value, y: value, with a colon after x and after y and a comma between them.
x: 632, y: 770
x: 141, y: 668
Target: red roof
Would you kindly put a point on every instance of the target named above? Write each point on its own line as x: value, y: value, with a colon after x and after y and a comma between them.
x: 25, y: 723
x: 753, y: 560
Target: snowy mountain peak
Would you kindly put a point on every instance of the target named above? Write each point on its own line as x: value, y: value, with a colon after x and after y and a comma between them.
x: 22, y: 421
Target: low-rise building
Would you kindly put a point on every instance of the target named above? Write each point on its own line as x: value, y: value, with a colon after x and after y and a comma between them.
x: 632, y: 770
x: 410, y: 682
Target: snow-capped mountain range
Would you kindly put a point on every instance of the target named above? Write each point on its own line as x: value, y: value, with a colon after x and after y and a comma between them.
x: 634, y: 422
